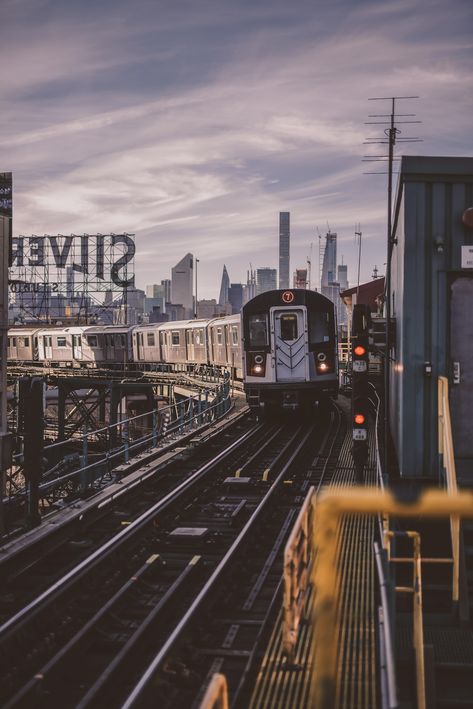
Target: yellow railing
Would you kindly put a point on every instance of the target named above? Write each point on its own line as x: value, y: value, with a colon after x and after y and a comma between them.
x: 298, y: 558
x: 331, y: 506
x: 445, y: 445
x: 216, y: 696
x: 417, y: 619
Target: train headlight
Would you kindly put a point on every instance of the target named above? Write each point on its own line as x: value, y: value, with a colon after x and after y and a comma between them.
x: 322, y: 367
x: 256, y: 364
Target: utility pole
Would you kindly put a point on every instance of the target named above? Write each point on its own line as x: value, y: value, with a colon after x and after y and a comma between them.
x: 391, y: 136
x: 358, y: 234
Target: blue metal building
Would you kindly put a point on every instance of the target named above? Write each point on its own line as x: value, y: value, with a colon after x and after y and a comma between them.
x: 432, y: 305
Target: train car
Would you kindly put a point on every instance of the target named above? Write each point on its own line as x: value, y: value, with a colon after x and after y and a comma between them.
x: 146, y: 344
x: 196, y: 341
x: 22, y: 344
x: 109, y: 345
x: 224, y: 336
x: 289, y: 350
x: 172, y: 339
x: 64, y: 346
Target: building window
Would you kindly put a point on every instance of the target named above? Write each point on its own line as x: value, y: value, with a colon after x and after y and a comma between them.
x: 92, y: 340
x: 175, y: 337
x: 61, y: 342
x: 150, y: 339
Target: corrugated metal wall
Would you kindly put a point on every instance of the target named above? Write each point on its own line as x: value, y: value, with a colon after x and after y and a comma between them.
x: 432, y: 195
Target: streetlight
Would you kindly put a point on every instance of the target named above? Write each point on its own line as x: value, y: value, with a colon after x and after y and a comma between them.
x: 195, y: 309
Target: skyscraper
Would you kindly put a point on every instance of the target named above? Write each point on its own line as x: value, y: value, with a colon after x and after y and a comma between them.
x: 182, y: 281
x: 329, y: 267
x: 284, y: 249
x: 266, y: 279
x: 235, y: 297
x: 224, y: 286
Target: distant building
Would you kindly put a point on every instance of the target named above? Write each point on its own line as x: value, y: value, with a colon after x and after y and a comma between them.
x: 343, y: 276
x: 266, y: 280
x: 284, y: 246
x: 155, y: 298
x: 224, y: 286
x: 176, y: 311
x: 212, y: 309
x: 249, y: 290
x: 300, y: 278
x: 235, y: 297
x: 182, y: 277
x: 166, y: 284
x: 329, y: 266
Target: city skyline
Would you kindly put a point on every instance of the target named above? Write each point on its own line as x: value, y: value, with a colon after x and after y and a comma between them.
x: 193, y: 127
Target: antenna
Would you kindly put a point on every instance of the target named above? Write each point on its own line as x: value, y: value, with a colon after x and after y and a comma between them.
x: 309, y: 264
x: 358, y: 235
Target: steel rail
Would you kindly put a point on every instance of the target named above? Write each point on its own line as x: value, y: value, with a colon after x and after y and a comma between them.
x: 27, y: 613
x: 147, y: 676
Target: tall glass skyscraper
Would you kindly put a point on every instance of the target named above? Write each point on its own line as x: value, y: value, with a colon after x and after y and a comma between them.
x: 284, y: 233
x: 224, y: 286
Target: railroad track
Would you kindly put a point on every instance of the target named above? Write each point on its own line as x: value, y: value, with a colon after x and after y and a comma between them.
x: 34, y: 562
x: 83, y: 641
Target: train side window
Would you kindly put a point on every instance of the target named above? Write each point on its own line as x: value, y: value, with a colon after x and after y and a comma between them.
x: 150, y: 339
x: 219, y: 336
x: 289, y: 326
x: 92, y: 340
x: 235, y: 334
x: 319, y: 326
x: 123, y: 340
x: 162, y: 338
x: 197, y: 337
x: 258, y: 330
x: 61, y: 342
x: 27, y: 341
x: 175, y: 337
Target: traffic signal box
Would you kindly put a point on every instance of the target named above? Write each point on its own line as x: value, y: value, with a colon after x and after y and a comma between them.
x: 360, y: 404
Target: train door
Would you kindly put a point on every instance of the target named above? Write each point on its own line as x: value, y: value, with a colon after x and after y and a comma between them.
x: 289, y: 335
x: 461, y: 380
x: 77, y: 347
x: 48, y: 346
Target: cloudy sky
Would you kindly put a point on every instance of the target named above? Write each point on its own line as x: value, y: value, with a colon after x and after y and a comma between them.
x: 192, y: 124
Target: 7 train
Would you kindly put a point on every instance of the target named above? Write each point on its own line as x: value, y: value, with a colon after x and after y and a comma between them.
x: 283, y: 347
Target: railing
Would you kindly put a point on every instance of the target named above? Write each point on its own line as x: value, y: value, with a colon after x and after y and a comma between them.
x: 388, y: 688
x: 331, y: 506
x: 417, y: 619
x: 216, y: 695
x: 446, y: 450
x: 298, y: 559
x: 127, y: 437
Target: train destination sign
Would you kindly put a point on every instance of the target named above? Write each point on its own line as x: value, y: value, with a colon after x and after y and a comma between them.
x: 37, y: 261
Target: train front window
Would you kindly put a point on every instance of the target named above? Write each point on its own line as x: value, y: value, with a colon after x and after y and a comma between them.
x: 258, y: 330
x: 319, y: 326
x: 289, y: 326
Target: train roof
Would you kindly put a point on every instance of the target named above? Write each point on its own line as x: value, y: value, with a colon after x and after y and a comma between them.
x: 287, y: 297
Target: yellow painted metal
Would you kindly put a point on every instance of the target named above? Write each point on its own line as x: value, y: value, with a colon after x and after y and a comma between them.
x: 446, y: 450
x: 237, y: 474
x: 297, y: 565
x: 417, y: 619
x: 331, y: 506
x: 216, y: 695
x: 266, y: 475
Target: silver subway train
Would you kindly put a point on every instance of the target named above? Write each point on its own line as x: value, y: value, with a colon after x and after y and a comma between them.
x: 283, y: 347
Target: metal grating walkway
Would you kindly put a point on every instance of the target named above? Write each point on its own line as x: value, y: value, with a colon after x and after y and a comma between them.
x: 280, y: 685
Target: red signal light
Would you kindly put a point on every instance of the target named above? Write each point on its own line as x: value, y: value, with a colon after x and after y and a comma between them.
x: 359, y: 351
x: 359, y: 419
